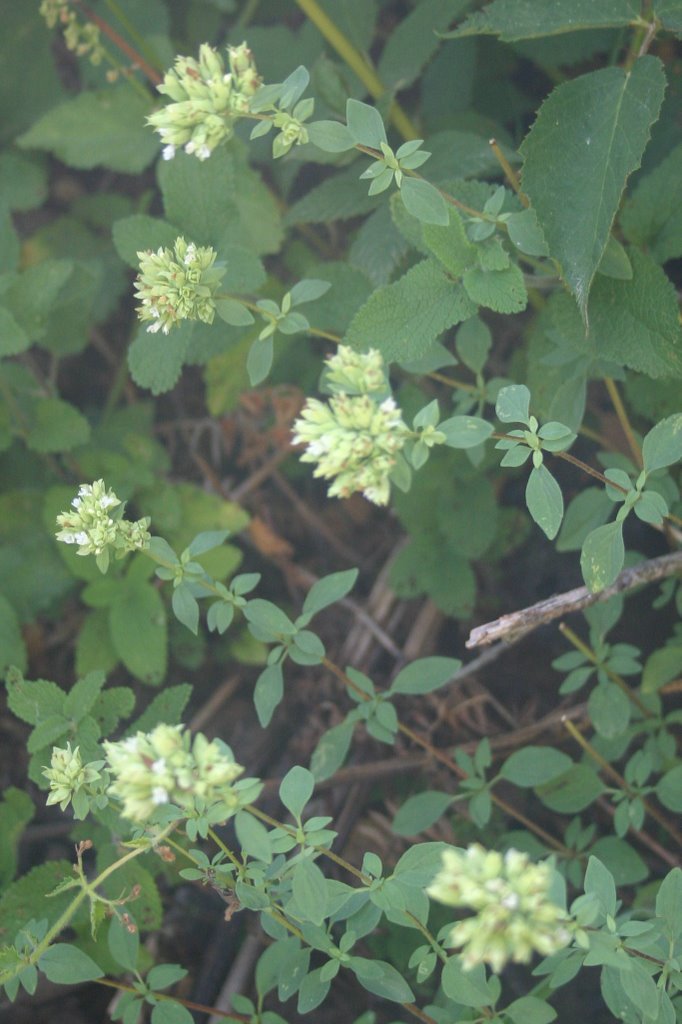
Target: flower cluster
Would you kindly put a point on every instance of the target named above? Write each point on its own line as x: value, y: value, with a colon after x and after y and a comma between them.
x: 68, y: 776
x: 354, y: 439
x: 164, y: 766
x: 514, y: 914
x: 207, y: 100
x: 80, y: 39
x: 94, y: 523
x: 177, y: 285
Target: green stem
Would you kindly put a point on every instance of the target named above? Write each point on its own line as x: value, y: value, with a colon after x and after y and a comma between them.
x: 89, y: 888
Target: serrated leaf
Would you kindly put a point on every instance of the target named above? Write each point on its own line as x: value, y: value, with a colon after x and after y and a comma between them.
x: 635, y: 322
x: 167, y: 706
x: 32, y: 700
x: 155, y: 360
x: 602, y: 556
x: 449, y: 244
x: 414, y: 40
x: 139, y: 233
x: 57, y: 427
x: 83, y: 695
x: 589, y: 136
x: 13, y: 338
x: 16, y: 810
x: 137, y: 620
x: 12, y: 647
x: 500, y: 290
x: 545, y: 501
x: 519, y: 19
x: 338, y: 198
x: 652, y: 218
x: 97, y: 129
x: 403, y: 319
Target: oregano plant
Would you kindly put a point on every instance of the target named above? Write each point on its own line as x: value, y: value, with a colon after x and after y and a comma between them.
x: 328, y: 335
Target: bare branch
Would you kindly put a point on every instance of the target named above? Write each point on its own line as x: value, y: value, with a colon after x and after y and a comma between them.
x: 513, y: 626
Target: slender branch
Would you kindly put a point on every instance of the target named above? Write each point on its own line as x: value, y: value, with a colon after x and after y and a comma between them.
x: 513, y: 626
x: 509, y: 172
x: 201, y: 1007
x: 581, y: 646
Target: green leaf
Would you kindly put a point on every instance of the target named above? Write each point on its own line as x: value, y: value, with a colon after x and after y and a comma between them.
x: 12, y: 647
x: 253, y: 837
x: 296, y: 789
x: 572, y: 791
x: 669, y: 902
x: 662, y: 446
x: 139, y: 233
x: 97, y: 129
x: 381, y: 979
x: 526, y: 234
x: 589, y: 135
x: 473, y: 343
x: 420, y: 811
x: 661, y: 667
x: 365, y: 124
x: 186, y: 607
x: 466, y: 987
x: 519, y: 19
x: 425, y: 675
x: 534, y: 766
x: 513, y: 404
x: 25, y: 899
x: 313, y: 991
x: 167, y: 707
x: 13, y: 338
x: 589, y: 509
x: 16, y: 810
x: 83, y: 696
x: 123, y: 944
x: 424, y: 201
x: 328, y: 590
x: 33, y: 700
x: 259, y: 360
x: 599, y: 882
x: 68, y: 965
x: 635, y: 322
x: 449, y: 244
x: 500, y: 290
x: 602, y: 556
x: 530, y: 1010
x: 544, y: 500
x: 413, y: 41
x: 609, y: 710
x: 164, y: 975
x: 137, y: 621
x: 57, y: 427
x: 624, y: 863
x: 652, y: 218
x: 615, y: 261
x: 166, y: 1012
x: 465, y: 431
x: 155, y: 360
x: 403, y: 319
x: 330, y: 136
x: 234, y: 313
x: 268, y: 693
x: 309, y: 889
x: 669, y: 789
x: 331, y: 750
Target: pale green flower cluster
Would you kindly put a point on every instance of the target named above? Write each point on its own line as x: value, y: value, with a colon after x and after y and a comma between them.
x: 81, y: 39
x: 177, y: 285
x: 164, y: 766
x: 354, y: 439
x: 67, y: 775
x: 355, y: 373
x: 91, y: 524
x: 514, y: 915
x: 207, y: 100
